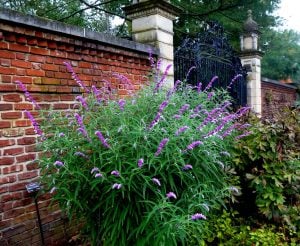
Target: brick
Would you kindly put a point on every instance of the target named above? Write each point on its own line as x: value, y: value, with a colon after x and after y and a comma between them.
x: 50, y: 81
x: 37, y: 58
x: 26, y: 140
x: 49, y: 74
x: 3, y: 46
x: 51, y: 98
x: 5, y: 107
x: 32, y: 41
x: 4, y: 224
x: 27, y: 175
x: 61, y: 75
x: 7, y: 142
x: 31, y: 148
x: 13, y: 151
x: 67, y: 97
x: 10, y: 37
x: 52, y: 45
x: 50, y: 67
x: 7, y: 70
x: 22, y: 123
x: 13, y: 169
x: 14, y: 213
x: 12, y: 98
x: 21, y: 40
x: 29, y: 131
x: 6, y: 78
x: 7, y: 54
x: 61, y: 106
x: 49, y: 59
x: 33, y: 72
x: 5, y: 124
x: 23, y: 79
x: 22, y: 64
x: 19, y: 47
x: 17, y: 187
x: 21, y: 56
x: 11, y: 115
x: 7, y: 160
x: 12, y: 196
x: 84, y: 65
x: 3, y: 189
x: 39, y: 51
x: 42, y: 43
x: 32, y: 166
x: 20, y: 72
x: 5, y: 62
x: 23, y: 106
x: 26, y: 157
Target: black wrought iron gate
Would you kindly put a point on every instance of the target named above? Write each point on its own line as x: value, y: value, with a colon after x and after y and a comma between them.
x: 211, y: 55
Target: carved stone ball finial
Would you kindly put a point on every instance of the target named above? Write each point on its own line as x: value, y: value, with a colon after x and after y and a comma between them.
x: 250, y: 26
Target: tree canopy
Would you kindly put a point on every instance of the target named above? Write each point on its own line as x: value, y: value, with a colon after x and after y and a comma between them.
x: 281, y: 48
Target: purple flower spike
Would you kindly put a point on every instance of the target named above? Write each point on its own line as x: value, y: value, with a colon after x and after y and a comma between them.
x: 34, y: 123
x: 58, y: 164
x: 194, y: 144
x: 171, y: 195
x: 83, y: 102
x: 161, y: 146
x: 115, y: 173
x: 163, y: 105
x: 122, y: 103
x: 78, y: 153
x: 181, y: 130
x: 198, y: 216
x: 61, y: 134
x: 156, y: 181
x: 211, y: 83
x: 98, y: 175
x: 117, y: 186
x: 75, y: 77
x: 27, y: 94
x: 243, y: 135
x: 102, y: 139
x: 155, y: 121
x: 94, y: 170
x: 187, y: 167
x: 177, y: 116
x: 199, y: 87
x: 184, y: 108
x: 140, y: 163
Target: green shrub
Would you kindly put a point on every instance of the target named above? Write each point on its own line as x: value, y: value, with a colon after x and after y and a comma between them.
x: 149, y: 167
x: 268, y: 163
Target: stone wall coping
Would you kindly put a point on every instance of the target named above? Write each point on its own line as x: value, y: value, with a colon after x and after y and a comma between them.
x: 7, y: 15
x: 277, y: 83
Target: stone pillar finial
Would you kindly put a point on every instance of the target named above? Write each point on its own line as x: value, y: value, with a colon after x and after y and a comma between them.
x: 251, y: 58
x: 152, y: 23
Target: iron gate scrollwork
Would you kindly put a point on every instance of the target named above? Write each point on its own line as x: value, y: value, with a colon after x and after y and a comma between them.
x: 211, y: 55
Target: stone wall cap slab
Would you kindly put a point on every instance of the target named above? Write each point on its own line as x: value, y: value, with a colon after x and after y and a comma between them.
x: 277, y: 83
x: 10, y: 16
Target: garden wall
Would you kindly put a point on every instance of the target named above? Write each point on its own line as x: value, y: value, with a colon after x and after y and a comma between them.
x: 33, y: 50
x: 276, y: 95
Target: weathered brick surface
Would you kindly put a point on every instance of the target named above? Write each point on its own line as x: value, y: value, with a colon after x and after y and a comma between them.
x: 36, y: 57
x: 275, y: 96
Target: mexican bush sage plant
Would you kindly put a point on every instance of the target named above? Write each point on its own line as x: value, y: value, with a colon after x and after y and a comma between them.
x: 140, y: 169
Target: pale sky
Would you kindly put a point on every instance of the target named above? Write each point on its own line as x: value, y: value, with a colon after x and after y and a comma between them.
x: 290, y: 11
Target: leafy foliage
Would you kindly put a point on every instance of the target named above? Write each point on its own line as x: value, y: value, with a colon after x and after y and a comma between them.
x: 268, y: 163
x: 282, y: 52
x: 135, y: 170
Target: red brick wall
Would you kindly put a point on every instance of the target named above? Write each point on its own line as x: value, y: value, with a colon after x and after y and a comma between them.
x: 276, y: 95
x: 35, y: 57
